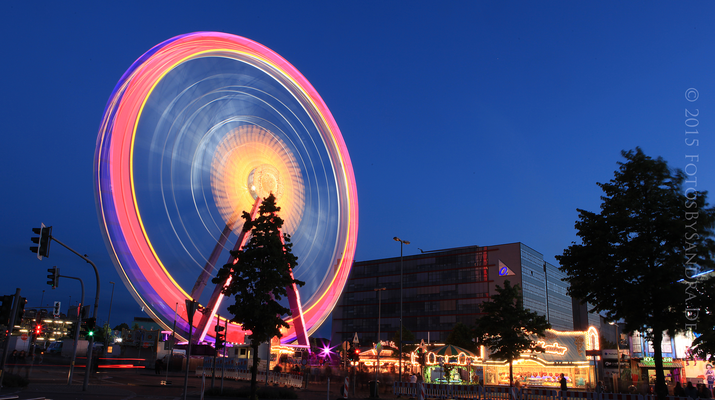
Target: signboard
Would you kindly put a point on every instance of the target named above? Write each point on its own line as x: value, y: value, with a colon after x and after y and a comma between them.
x: 355, y: 339
x: 593, y: 352
x: 612, y: 363
x: 24, y: 336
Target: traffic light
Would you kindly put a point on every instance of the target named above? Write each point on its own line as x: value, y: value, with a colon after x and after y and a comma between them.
x: 20, y: 310
x: 220, y: 341
x: 43, y: 241
x: 220, y: 338
x: 356, y: 355
x: 37, y: 329
x: 91, y: 324
x: 56, y: 308
x: 72, y: 330
x: 351, y: 353
x: 53, y: 276
x: 5, y: 309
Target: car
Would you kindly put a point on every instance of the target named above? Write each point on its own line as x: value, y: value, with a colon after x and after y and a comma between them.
x: 54, y: 348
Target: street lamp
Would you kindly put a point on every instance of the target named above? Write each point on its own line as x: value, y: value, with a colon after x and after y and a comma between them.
x: 109, y: 326
x: 402, y: 242
x: 377, y: 345
x: 618, y: 357
x: 111, y: 298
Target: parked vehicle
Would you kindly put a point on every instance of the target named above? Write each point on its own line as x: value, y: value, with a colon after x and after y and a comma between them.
x: 54, y: 348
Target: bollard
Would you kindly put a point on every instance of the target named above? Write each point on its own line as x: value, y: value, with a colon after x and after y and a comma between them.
x: 421, y: 391
x: 328, y: 388
x: 346, y: 385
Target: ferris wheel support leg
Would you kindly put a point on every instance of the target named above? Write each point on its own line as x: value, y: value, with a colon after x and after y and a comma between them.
x: 296, y: 311
x: 217, y: 295
x: 208, y: 270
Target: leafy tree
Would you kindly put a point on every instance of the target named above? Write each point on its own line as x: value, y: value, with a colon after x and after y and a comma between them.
x: 508, y: 328
x: 259, y: 278
x: 648, y: 236
x: 121, y: 326
x: 462, y: 336
x: 407, y: 336
x: 704, y: 302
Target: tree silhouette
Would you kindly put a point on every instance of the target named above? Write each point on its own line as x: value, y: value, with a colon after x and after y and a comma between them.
x: 508, y: 329
x: 462, y: 336
x: 259, y: 278
x: 649, y: 235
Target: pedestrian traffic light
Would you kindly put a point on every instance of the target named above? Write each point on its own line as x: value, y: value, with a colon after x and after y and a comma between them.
x: 5, y: 309
x: 351, y: 353
x: 43, y: 241
x: 91, y: 324
x: 220, y: 338
x: 220, y: 341
x: 72, y: 329
x: 54, y: 277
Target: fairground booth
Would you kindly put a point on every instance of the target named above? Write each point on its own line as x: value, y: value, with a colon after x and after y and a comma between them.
x: 567, y: 353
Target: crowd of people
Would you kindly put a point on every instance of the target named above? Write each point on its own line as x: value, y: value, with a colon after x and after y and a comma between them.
x: 701, y: 391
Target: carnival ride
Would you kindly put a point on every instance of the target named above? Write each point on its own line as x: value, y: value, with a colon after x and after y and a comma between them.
x: 198, y: 130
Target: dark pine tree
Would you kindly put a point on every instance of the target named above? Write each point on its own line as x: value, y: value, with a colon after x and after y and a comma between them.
x: 259, y: 279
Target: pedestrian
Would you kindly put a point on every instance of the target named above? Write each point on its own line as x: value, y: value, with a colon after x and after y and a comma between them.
x: 562, y: 381
x: 678, y: 390
x: 157, y: 367
x: 691, y: 391
x: 710, y: 376
x: 516, y: 391
x: 413, y: 378
x: 599, y: 388
x: 704, y: 392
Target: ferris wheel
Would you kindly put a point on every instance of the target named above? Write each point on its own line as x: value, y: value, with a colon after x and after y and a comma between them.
x: 199, y: 129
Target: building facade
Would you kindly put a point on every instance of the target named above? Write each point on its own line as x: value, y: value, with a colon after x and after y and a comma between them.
x: 441, y: 288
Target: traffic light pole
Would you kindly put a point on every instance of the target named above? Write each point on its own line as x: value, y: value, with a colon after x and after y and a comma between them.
x: 11, y: 325
x: 90, y: 346
x: 76, y: 331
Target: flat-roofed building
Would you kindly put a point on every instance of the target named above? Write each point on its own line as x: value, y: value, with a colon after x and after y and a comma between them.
x: 443, y: 287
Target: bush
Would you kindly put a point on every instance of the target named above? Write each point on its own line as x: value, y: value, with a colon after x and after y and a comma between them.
x: 11, y: 380
x: 263, y: 392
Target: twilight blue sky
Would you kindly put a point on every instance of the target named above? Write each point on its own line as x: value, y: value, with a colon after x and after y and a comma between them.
x: 468, y: 123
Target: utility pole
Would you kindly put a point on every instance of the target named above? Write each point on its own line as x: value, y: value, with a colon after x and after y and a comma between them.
x: 11, y: 326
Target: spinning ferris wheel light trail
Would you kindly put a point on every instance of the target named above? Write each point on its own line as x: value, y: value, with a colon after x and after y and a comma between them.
x: 199, y: 129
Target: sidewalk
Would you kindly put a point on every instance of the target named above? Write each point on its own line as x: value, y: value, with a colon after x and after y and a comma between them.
x: 50, y: 381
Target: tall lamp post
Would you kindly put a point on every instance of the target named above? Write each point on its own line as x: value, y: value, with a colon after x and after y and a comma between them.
x: 109, y: 326
x: 618, y: 349
x: 378, y: 348
x: 111, y: 299
x: 402, y: 242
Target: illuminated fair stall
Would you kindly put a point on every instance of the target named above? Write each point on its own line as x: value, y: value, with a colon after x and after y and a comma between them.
x: 565, y: 353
